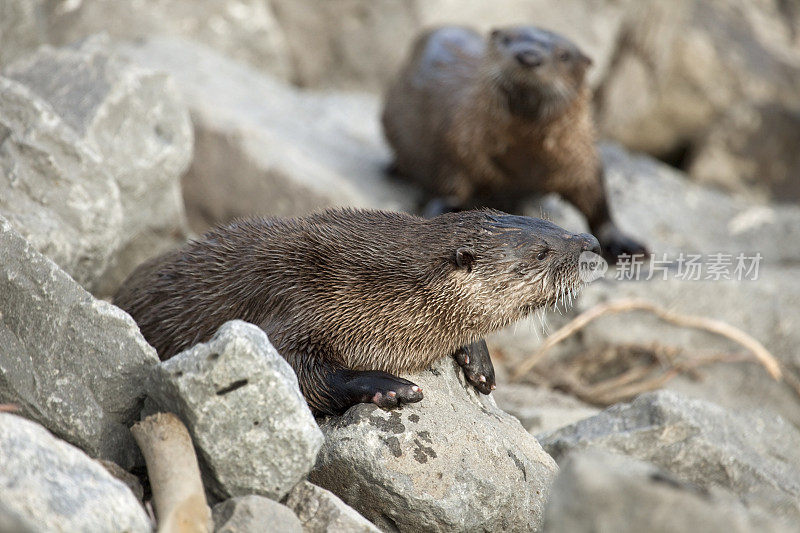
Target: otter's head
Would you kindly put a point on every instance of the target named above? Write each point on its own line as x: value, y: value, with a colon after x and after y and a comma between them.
x: 512, y: 265
x: 539, y: 71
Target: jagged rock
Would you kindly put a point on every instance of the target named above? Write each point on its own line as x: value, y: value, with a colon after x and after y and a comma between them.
x: 539, y: 409
x: 263, y: 147
x: 680, y: 65
x: 755, y: 455
x: 320, y: 510
x: 53, y: 486
x: 253, y: 514
x: 71, y: 362
x: 452, y: 462
x: 600, y: 491
x: 242, y: 405
x: 245, y: 29
x: 752, y: 149
x: 22, y: 28
x: 133, y: 122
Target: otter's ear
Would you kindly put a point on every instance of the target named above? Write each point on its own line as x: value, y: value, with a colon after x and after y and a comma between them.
x: 465, y: 257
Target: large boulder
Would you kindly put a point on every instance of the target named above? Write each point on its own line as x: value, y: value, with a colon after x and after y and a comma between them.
x: 756, y: 455
x: 73, y: 363
x: 53, y: 486
x: 245, y: 30
x: 132, y: 121
x: 262, y: 147
x: 601, y: 491
x: 23, y: 28
x: 242, y: 405
x: 320, y: 511
x: 452, y: 462
x: 539, y: 409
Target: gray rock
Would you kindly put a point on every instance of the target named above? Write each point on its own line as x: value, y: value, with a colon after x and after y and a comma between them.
x: 539, y: 409
x: 245, y: 30
x: 752, y: 149
x: 71, y: 362
x: 134, y: 121
x: 600, y: 491
x: 55, y: 190
x: 263, y: 147
x: 22, y: 28
x: 253, y: 514
x: 755, y: 455
x: 55, y: 487
x: 320, y: 511
x: 242, y: 405
x: 452, y: 462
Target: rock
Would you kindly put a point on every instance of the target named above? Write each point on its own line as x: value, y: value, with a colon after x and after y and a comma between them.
x: 72, y: 363
x: 55, y: 487
x: 22, y: 28
x: 320, y: 511
x: 600, y: 491
x: 252, y: 514
x: 245, y: 30
x: 539, y: 409
x: 262, y: 147
x: 753, y: 454
x: 679, y: 66
x: 752, y: 149
x: 131, y: 481
x: 452, y: 462
x: 134, y: 121
x: 242, y: 405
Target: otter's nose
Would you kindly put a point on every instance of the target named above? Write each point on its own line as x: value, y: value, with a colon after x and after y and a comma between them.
x: 529, y: 58
x: 589, y: 243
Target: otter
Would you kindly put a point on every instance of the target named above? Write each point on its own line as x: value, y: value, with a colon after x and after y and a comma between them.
x: 487, y: 121
x: 352, y: 297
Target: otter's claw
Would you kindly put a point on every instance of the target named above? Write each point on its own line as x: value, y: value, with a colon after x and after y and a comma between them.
x: 385, y: 390
x: 477, y: 365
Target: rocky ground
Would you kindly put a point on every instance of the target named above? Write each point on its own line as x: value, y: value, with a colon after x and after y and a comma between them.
x: 117, y: 146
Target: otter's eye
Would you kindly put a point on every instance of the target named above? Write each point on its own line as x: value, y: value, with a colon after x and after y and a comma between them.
x: 563, y: 56
x: 541, y: 255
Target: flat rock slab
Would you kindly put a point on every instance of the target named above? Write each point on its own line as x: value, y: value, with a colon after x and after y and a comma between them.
x: 73, y: 363
x: 452, y: 462
x: 755, y: 455
x: 254, y: 514
x: 601, y: 491
x: 53, y: 486
x: 320, y: 511
x: 242, y: 405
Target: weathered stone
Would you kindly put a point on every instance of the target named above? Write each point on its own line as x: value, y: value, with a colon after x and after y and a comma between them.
x: 600, y: 491
x: 55, y: 190
x: 53, y: 486
x: 752, y: 149
x: 22, y: 28
x: 755, y: 455
x: 245, y: 30
x: 262, y: 147
x: 242, y: 405
x: 134, y: 120
x: 452, y: 462
x: 539, y: 409
x: 679, y: 65
x: 320, y: 510
x: 71, y: 362
x: 253, y: 514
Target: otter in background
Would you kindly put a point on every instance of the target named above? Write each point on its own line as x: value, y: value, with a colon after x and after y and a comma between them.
x: 352, y: 297
x: 477, y: 120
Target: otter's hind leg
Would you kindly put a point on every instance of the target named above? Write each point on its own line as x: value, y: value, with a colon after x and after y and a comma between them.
x: 331, y: 389
x: 477, y: 365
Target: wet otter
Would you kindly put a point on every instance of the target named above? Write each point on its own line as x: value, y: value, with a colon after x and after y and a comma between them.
x: 351, y: 297
x: 487, y: 121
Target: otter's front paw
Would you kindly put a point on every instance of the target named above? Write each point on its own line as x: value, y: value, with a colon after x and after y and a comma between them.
x: 385, y: 390
x: 615, y: 243
x: 474, y: 359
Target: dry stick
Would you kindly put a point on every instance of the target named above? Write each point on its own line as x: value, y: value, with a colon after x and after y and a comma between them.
x: 174, y: 474
x: 8, y: 408
x: 708, y: 324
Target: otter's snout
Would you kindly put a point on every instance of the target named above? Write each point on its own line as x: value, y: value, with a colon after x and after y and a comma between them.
x: 529, y: 58
x: 588, y: 243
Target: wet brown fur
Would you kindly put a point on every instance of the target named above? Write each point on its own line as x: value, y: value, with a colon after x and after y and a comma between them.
x: 359, y: 289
